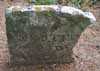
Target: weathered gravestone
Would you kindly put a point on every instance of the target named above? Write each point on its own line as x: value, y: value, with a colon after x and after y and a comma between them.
x: 43, y: 37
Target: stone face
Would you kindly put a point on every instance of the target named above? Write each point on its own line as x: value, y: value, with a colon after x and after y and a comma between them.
x: 43, y: 37
x: 87, y: 50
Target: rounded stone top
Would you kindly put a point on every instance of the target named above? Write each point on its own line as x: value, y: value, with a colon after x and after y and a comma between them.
x: 57, y: 8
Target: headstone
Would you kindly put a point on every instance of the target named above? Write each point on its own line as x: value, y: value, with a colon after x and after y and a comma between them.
x: 45, y: 37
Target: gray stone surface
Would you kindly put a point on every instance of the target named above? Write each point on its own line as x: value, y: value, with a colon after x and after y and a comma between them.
x: 43, y: 37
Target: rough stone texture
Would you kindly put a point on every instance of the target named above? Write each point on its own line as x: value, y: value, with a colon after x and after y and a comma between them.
x: 43, y: 37
x: 87, y: 50
x: 4, y: 52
